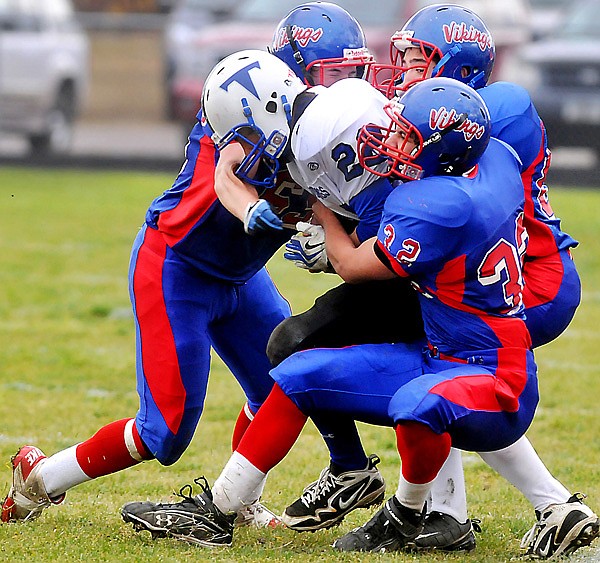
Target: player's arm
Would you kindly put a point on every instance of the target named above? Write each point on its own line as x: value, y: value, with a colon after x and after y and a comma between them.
x: 353, y: 264
x: 239, y: 198
x: 234, y: 194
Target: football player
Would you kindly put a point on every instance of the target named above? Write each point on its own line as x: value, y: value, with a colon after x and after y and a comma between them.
x: 318, y: 496
x: 448, y: 40
x: 451, y: 232
x: 191, y: 245
x: 197, y: 281
x: 438, y: 224
x: 452, y: 41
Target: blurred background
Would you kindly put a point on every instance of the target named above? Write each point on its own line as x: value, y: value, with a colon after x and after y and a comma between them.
x: 117, y: 82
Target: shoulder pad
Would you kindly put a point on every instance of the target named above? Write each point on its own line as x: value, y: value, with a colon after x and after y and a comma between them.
x: 438, y: 200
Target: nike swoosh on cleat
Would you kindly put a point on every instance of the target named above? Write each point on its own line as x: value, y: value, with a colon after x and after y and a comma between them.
x: 346, y: 503
x: 550, y: 546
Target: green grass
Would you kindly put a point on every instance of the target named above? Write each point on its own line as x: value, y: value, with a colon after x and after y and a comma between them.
x: 67, y: 368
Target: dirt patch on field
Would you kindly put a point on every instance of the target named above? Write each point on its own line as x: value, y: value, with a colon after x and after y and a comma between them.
x: 126, y: 81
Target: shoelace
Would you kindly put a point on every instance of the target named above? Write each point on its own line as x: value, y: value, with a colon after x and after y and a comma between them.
x: 323, y: 485
x: 186, y: 491
x: 530, y: 536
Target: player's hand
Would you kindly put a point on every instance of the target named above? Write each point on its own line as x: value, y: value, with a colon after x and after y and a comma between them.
x: 260, y: 217
x: 307, y: 248
x: 323, y: 215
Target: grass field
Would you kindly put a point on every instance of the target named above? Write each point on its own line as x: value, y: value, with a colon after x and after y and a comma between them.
x: 67, y: 368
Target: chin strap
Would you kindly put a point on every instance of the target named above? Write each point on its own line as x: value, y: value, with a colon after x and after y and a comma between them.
x: 451, y: 53
x: 436, y: 137
x: 298, y: 55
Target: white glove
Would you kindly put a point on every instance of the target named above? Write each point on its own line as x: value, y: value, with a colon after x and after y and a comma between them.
x: 307, y: 248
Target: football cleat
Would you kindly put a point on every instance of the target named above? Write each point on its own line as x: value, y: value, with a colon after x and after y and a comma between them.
x: 561, y: 529
x: 391, y: 528
x: 27, y: 496
x: 444, y: 532
x: 194, y: 520
x: 326, y: 502
x: 257, y: 515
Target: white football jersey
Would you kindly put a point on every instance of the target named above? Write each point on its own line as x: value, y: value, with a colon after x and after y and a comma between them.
x: 323, y: 142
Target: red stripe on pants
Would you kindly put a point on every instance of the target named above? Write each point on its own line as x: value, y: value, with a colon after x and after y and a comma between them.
x: 159, y: 355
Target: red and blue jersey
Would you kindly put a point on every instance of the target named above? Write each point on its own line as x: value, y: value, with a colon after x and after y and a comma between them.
x: 461, y: 240
x: 516, y: 122
x: 202, y: 231
x: 195, y: 224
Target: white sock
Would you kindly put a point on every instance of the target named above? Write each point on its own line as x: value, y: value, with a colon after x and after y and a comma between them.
x: 520, y: 465
x: 412, y: 495
x: 62, y: 471
x: 448, y: 494
x: 258, y: 491
x: 237, y: 485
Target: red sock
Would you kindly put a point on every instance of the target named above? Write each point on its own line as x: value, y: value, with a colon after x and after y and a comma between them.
x: 243, y: 421
x: 114, y: 447
x: 273, y: 431
x: 422, y: 451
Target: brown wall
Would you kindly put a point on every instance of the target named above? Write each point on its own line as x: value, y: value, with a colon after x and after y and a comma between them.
x: 126, y: 76
x: 118, y: 6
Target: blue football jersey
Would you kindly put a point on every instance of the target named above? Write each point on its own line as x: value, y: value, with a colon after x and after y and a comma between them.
x: 197, y: 226
x: 516, y: 122
x: 461, y: 240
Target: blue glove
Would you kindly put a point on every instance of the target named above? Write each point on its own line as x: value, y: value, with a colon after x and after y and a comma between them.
x: 260, y: 217
x: 307, y: 248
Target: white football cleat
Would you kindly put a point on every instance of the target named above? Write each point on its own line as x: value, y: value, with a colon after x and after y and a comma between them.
x: 258, y: 516
x: 561, y: 529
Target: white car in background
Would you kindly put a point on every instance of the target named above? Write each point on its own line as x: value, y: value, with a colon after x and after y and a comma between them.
x: 44, y: 72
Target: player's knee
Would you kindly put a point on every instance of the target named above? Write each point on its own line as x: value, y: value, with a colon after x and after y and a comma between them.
x: 165, y: 446
x: 410, y: 403
x: 171, y: 450
x: 286, y: 339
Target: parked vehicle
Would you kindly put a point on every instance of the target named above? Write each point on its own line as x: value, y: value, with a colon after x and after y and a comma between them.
x: 253, y: 22
x: 44, y: 72
x: 546, y: 16
x: 185, y: 24
x: 562, y: 74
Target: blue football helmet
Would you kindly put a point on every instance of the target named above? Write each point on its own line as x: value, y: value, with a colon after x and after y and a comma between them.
x: 248, y: 98
x: 439, y: 127
x: 317, y: 37
x: 451, y: 37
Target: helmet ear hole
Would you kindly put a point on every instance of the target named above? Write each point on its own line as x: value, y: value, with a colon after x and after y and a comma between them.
x: 445, y: 159
x: 271, y: 107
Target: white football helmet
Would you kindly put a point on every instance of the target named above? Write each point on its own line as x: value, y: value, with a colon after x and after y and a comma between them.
x: 248, y: 97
